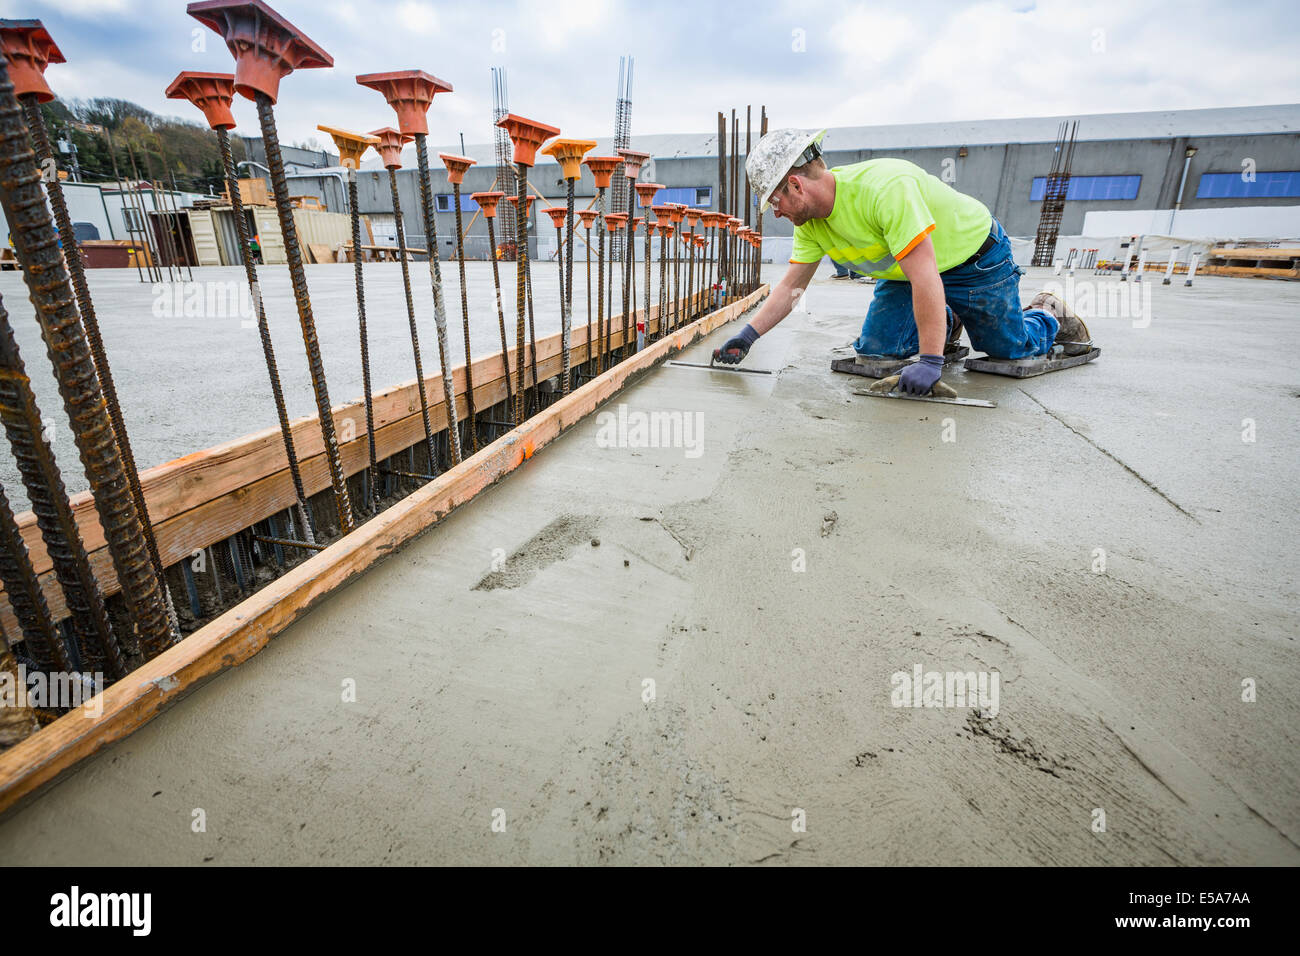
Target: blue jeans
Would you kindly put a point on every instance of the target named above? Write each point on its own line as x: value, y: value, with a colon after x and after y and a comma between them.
x: 984, y: 295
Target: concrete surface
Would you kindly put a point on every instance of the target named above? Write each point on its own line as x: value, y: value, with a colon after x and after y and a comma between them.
x: 500, y: 662
x: 190, y: 375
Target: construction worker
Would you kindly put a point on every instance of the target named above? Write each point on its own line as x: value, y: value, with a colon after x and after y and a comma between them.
x: 940, y: 259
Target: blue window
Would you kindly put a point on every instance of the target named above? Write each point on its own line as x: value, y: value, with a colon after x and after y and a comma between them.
x: 443, y: 202
x: 699, y: 197
x: 1091, y: 187
x: 1264, y: 186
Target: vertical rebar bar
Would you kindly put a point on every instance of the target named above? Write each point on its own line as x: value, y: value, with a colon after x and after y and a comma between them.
x: 402, y: 255
x: 264, y: 330
x: 46, y: 275
x: 464, y: 312
x: 298, y: 279
x: 439, y: 307
x: 565, y: 381
x: 90, y: 325
x: 501, y: 316
x: 602, y: 335
x: 521, y: 265
x: 372, y: 474
x: 54, y: 518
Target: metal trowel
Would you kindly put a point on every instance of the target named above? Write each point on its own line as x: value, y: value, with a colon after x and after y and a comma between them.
x: 942, y: 393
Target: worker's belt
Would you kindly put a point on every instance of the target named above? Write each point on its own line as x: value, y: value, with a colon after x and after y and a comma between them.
x: 989, y: 243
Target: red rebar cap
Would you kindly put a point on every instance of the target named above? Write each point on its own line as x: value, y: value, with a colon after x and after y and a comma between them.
x: 265, y: 45
x: 351, y: 146
x: 409, y: 93
x: 210, y: 92
x: 588, y: 216
x: 527, y: 135
x: 602, y: 167
x: 558, y: 214
x: 646, y: 192
x: 456, y: 166
x: 390, y: 145
x: 27, y: 46
x: 488, y: 202
x: 614, y: 221
x: 633, y: 159
x: 568, y: 153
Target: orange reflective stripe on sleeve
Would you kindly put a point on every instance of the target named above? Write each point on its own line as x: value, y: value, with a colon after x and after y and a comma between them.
x: 915, y: 242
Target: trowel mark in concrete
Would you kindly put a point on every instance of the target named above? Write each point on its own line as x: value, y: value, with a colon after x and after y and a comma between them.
x: 553, y: 543
x: 1112, y: 457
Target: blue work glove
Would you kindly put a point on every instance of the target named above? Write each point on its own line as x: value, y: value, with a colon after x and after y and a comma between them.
x: 919, y: 377
x: 736, y: 348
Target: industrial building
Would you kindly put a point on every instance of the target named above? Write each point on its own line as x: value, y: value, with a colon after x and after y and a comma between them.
x: 1213, y: 173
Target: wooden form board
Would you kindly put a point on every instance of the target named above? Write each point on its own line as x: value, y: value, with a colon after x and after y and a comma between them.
x: 205, y: 497
x: 245, y: 629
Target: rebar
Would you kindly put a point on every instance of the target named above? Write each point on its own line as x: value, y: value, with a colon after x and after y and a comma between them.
x: 90, y: 325
x: 464, y: 311
x: 439, y: 307
x: 399, y: 225
x: 501, y: 316
x: 565, y: 383
x: 372, y: 486
x: 54, y: 518
x: 298, y: 279
x: 48, y: 282
x: 263, y: 329
x: 521, y: 265
x: 602, y: 331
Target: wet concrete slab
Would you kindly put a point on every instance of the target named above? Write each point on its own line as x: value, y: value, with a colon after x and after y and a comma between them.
x: 705, y: 651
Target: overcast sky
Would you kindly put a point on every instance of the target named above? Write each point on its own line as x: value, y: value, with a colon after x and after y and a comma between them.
x: 812, y: 64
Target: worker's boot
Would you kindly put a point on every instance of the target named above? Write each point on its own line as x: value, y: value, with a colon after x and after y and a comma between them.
x: 1072, y: 335
x: 954, y: 338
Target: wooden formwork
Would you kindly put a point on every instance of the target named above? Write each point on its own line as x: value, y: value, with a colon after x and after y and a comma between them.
x: 209, y: 495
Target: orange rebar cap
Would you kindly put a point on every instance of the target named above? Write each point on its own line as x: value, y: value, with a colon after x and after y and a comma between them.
x: 456, y: 166
x: 29, y: 49
x: 409, y: 93
x: 351, y: 146
x: 210, y: 92
x: 662, y: 212
x: 646, y: 192
x: 693, y: 216
x: 602, y: 167
x: 390, y: 145
x: 568, y: 153
x: 677, y: 211
x: 265, y: 45
x: 558, y: 214
x: 528, y: 203
x: 588, y: 216
x: 614, y: 221
x: 527, y: 135
x: 633, y: 159
x: 488, y: 202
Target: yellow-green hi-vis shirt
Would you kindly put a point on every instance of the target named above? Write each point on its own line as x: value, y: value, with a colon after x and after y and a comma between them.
x: 883, y: 208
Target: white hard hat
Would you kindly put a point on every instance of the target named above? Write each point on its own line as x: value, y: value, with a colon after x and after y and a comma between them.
x: 775, y: 155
